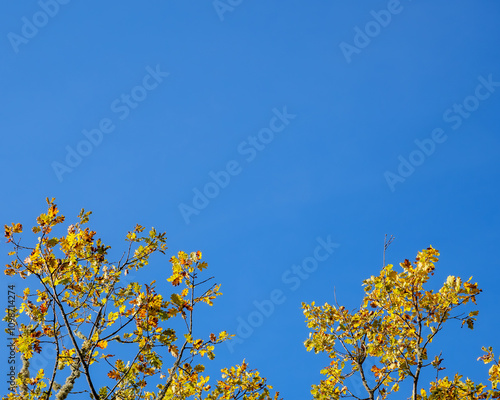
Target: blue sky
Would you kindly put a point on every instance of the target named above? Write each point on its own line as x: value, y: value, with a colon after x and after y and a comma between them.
x: 253, y: 132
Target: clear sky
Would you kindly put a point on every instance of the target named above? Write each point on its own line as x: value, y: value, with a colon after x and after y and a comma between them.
x: 258, y: 130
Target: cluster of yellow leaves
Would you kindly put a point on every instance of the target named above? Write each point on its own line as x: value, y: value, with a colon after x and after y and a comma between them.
x: 240, y: 382
x: 445, y: 389
x: 237, y: 382
x: 28, y: 340
x: 184, y: 265
x: 189, y: 382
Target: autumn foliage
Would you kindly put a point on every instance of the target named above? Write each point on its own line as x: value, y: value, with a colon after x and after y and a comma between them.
x: 87, y: 309
x: 117, y: 339
x: 391, y: 331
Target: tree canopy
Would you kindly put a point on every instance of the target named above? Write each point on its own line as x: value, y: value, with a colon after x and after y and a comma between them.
x: 87, y: 310
x: 117, y: 339
x: 391, y: 331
